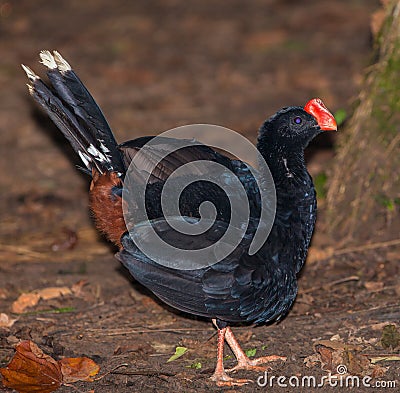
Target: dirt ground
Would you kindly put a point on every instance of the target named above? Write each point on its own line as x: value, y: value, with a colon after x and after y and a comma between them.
x: 154, y: 65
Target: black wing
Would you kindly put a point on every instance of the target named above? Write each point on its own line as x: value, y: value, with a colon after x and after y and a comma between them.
x: 240, y: 288
x: 153, y: 164
x: 159, y: 157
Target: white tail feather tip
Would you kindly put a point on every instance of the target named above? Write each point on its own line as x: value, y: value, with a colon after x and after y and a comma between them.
x: 29, y: 73
x: 47, y: 59
x: 62, y: 64
x: 54, y: 61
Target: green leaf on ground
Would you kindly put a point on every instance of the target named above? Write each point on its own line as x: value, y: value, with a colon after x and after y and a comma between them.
x: 179, y: 351
x: 250, y: 352
x: 195, y: 365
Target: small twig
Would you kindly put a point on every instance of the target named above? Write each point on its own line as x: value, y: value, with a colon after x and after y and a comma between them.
x: 331, y: 284
x: 148, y: 373
x: 370, y: 246
x: 112, y: 371
x: 70, y: 385
x: 329, y: 253
x: 19, y: 250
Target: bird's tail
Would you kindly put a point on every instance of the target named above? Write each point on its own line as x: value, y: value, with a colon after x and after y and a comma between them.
x: 72, y: 108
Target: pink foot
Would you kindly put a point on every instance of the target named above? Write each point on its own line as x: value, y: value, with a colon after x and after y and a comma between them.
x: 244, y: 363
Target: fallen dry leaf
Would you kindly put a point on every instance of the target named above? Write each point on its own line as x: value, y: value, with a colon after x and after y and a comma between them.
x: 6, y: 321
x: 390, y: 337
x: 373, y: 286
x: 318, y: 254
x: 53, y: 292
x: 77, y: 288
x: 31, y: 299
x: 31, y: 370
x: 78, y: 369
x: 333, y: 354
x: 25, y: 301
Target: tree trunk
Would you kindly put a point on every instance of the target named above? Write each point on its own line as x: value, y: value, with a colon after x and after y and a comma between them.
x: 364, y: 190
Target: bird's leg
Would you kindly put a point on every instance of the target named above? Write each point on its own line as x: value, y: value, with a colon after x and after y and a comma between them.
x: 220, y: 377
x: 244, y: 363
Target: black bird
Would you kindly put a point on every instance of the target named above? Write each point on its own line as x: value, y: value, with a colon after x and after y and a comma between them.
x: 241, y: 288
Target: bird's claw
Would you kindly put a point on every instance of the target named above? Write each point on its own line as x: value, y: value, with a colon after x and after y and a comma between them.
x: 248, y: 368
x: 224, y: 380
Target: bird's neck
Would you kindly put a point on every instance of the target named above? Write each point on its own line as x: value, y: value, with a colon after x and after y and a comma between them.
x: 287, y: 166
x: 295, y: 200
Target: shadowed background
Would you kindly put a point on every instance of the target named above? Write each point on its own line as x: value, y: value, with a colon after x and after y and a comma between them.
x: 151, y: 66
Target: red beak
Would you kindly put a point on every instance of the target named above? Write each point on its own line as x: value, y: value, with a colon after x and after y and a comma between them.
x: 325, y: 119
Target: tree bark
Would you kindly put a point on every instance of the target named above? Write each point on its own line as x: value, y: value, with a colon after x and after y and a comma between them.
x: 364, y: 188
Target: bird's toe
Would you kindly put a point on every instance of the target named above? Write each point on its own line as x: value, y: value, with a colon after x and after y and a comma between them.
x: 224, y: 380
x: 256, y: 365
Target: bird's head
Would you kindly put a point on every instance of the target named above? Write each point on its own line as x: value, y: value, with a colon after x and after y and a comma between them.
x: 295, y: 127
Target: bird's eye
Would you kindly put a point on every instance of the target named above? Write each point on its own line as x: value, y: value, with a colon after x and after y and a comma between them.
x: 298, y: 120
